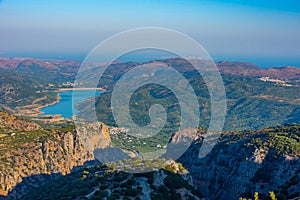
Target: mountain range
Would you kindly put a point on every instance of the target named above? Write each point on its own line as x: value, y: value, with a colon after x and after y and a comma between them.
x: 258, y: 151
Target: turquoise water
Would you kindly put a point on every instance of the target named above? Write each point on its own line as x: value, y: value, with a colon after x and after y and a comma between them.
x: 64, y: 106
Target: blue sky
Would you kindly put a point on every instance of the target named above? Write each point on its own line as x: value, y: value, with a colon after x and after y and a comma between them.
x: 264, y: 32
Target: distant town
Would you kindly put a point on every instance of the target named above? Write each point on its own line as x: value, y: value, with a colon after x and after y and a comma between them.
x: 273, y: 80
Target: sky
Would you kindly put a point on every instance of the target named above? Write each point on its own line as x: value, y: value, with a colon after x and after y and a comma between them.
x: 264, y: 32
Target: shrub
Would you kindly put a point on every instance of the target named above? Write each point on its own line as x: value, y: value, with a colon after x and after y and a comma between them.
x: 132, y: 192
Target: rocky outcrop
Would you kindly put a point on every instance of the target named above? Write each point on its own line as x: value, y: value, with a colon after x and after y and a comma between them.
x: 57, y: 154
x: 100, y: 182
x: 246, y: 162
x: 94, y: 135
x: 32, y: 153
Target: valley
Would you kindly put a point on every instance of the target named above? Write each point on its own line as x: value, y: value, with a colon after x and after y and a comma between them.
x: 150, y: 100
x: 50, y: 153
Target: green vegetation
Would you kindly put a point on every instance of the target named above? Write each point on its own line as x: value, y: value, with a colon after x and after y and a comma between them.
x: 18, y: 141
x: 175, y: 182
x: 285, y: 140
x: 284, y: 193
x: 172, y: 182
x: 252, y: 104
x: 19, y: 138
x: 68, y: 127
x: 137, y: 164
x: 17, y: 89
x: 142, y: 145
x: 178, y: 168
x: 272, y: 196
x: 98, y: 182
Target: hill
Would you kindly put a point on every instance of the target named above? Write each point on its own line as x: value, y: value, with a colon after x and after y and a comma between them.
x: 27, y: 149
x: 246, y: 162
x: 252, y: 104
x: 27, y: 84
x: 267, y: 158
x: 99, y: 182
x: 287, y: 73
x: 31, y: 156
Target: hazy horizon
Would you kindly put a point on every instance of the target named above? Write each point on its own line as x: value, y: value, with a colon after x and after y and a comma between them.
x: 259, y: 61
x: 265, y: 33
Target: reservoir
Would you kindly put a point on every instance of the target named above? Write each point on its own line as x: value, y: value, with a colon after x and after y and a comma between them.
x: 64, y: 107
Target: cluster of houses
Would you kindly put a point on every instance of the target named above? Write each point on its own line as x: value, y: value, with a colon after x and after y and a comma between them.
x: 70, y: 84
x: 273, y: 80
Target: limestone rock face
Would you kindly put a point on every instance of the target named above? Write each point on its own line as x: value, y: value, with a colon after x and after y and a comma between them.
x: 238, y: 166
x: 93, y: 135
x: 30, y: 155
x: 54, y: 155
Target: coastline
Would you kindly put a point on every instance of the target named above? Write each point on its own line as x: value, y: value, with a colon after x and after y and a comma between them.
x: 57, y: 99
x: 34, y: 109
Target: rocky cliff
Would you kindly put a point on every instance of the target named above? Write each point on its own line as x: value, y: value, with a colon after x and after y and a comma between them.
x: 246, y: 162
x: 27, y: 150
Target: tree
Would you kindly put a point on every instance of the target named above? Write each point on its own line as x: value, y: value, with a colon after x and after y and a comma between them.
x: 256, y: 196
x: 272, y: 196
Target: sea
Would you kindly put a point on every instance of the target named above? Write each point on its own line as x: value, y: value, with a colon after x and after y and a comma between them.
x: 263, y: 61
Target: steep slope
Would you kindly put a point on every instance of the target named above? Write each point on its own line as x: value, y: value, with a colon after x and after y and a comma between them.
x: 99, y: 182
x: 28, y: 150
x: 246, y: 162
x: 240, y: 164
x: 22, y: 95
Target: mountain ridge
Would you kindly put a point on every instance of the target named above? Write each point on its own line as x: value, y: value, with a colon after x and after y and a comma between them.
x: 28, y: 149
x: 277, y: 72
x: 268, y: 160
x: 246, y: 162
